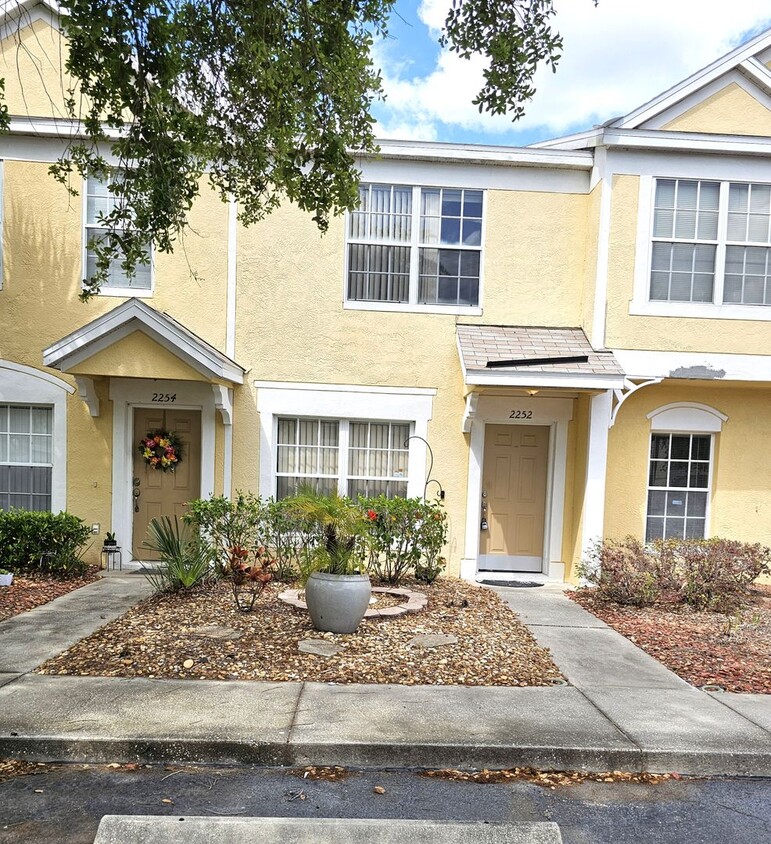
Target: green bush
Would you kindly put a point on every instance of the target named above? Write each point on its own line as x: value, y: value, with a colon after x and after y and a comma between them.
x: 405, y: 535
x: 706, y: 574
x: 54, y: 542
x: 185, y: 560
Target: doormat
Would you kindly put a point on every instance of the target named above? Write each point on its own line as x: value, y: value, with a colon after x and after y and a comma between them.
x: 516, y: 584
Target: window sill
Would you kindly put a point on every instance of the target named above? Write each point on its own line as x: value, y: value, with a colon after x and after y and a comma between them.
x: 700, y: 310
x: 397, y: 307
x: 126, y: 292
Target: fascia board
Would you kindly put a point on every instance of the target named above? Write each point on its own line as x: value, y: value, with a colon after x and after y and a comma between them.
x: 544, y: 379
x: 687, y: 141
x: 578, y: 141
x: 657, y: 364
x: 756, y: 73
x: 670, y: 97
x: 477, y: 154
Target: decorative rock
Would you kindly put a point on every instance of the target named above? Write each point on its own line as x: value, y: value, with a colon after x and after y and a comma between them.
x: 432, y: 640
x: 218, y: 631
x: 317, y: 647
x: 188, y: 663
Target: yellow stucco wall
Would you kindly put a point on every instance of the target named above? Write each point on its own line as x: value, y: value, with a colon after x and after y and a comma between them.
x: 730, y: 111
x: 31, y: 62
x: 740, y: 502
x: 137, y: 356
x: 680, y: 334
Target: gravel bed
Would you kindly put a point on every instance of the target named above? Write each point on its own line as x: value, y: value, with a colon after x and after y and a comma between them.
x: 33, y: 590
x: 173, y: 636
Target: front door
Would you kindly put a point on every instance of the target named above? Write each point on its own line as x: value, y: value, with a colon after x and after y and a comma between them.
x: 513, y: 498
x: 164, y: 493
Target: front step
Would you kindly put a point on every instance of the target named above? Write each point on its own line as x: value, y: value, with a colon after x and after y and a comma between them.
x: 146, y: 829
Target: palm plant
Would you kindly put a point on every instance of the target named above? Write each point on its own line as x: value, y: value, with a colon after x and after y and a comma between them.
x: 185, y: 560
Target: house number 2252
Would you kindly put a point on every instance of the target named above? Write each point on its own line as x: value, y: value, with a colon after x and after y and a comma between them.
x: 165, y: 398
x: 521, y: 414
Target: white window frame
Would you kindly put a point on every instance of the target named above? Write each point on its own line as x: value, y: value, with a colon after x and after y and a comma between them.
x: 685, y: 489
x: 121, y: 292
x: 343, y: 402
x: 412, y: 306
x: 641, y: 304
x: 343, y: 452
x: 30, y: 464
x: 25, y: 385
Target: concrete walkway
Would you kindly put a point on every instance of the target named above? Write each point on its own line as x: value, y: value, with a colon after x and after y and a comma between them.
x: 622, y: 710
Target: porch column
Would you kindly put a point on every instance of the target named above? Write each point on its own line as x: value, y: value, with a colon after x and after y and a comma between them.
x: 596, y: 470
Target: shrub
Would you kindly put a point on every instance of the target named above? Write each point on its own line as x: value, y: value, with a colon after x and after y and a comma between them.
x: 185, y: 560
x: 707, y: 574
x: 248, y: 579
x: 405, y: 535
x: 223, y: 523
x: 54, y: 542
x: 290, y: 540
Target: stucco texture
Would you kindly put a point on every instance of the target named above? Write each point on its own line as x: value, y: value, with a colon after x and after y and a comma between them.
x: 739, y: 503
x: 730, y: 111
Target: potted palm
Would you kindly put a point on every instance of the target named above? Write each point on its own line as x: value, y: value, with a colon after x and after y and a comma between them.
x: 338, y: 590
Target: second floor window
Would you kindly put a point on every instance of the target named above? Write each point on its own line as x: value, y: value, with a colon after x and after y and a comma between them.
x: 711, y: 242
x: 99, y: 203
x: 415, y: 246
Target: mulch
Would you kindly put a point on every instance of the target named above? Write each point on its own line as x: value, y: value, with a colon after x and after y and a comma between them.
x: 32, y: 590
x: 732, y: 651
x: 172, y: 636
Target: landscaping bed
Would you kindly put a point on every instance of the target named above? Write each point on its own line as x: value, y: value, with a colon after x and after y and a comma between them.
x: 199, y: 634
x: 731, y: 650
x: 35, y: 589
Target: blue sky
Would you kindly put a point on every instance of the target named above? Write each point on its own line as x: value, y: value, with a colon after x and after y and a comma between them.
x: 616, y: 57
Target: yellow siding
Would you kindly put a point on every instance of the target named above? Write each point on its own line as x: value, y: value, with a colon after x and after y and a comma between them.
x: 740, y: 506
x: 731, y: 111
x: 679, y: 334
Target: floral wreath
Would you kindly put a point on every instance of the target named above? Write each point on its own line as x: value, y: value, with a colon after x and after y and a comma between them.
x: 161, y: 450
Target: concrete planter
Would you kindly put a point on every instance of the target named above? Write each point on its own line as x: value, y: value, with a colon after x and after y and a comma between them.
x: 337, y: 602
x: 6, y: 579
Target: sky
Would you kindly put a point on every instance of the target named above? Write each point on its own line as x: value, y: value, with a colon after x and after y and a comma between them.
x: 616, y: 56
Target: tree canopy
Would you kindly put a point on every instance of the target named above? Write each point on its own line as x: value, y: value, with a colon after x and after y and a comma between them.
x: 271, y: 99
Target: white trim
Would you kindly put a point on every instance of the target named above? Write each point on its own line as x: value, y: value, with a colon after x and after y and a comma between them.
x: 20, y: 384
x: 686, y: 417
x: 135, y: 315
x: 703, y: 366
x: 22, y: 13
x: 344, y: 403
x: 223, y: 401
x: 694, y: 82
x: 630, y: 388
x: 599, y: 317
x: 129, y: 393
x: 757, y: 73
x: 230, y: 320
x: 568, y: 380
x: 546, y: 412
x: 104, y: 290
x: 399, y: 307
x: 593, y: 527
x: 642, y: 305
x: 87, y: 392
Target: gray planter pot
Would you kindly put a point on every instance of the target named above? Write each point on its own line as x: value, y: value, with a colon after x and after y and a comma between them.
x: 337, y: 602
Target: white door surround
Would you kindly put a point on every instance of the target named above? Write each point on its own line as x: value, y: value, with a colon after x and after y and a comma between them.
x: 128, y: 393
x: 554, y: 413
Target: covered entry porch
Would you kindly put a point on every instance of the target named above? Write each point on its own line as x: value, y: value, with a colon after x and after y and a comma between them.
x: 538, y: 406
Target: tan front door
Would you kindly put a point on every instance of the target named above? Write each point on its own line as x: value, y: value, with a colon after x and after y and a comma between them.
x: 513, y: 498
x: 164, y: 493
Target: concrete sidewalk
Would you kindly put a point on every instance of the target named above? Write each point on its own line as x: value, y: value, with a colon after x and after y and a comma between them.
x: 623, y: 710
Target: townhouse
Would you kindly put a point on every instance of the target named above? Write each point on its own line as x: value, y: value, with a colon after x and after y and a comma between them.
x: 569, y: 341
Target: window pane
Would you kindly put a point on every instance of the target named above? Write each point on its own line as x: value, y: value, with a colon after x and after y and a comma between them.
x: 19, y: 418
x: 658, y: 473
x: 41, y: 420
x: 700, y: 447
x: 694, y: 528
x: 655, y: 529
x: 678, y: 474
x: 674, y: 529
x: 660, y: 446
x: 656, y: 503
x: 676, y: 504
x: 681, y: 447
x: 697, y: 504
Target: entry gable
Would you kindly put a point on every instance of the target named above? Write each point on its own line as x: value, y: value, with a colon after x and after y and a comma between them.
x: 86, y: 351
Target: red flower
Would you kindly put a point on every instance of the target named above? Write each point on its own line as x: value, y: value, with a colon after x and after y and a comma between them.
x: 371, y: 515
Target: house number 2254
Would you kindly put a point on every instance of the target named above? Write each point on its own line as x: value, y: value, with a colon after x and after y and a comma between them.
x: 521, y: 414
x: 165, y: 398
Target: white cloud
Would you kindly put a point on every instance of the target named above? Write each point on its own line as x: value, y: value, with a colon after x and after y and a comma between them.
x: 616, y: 56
